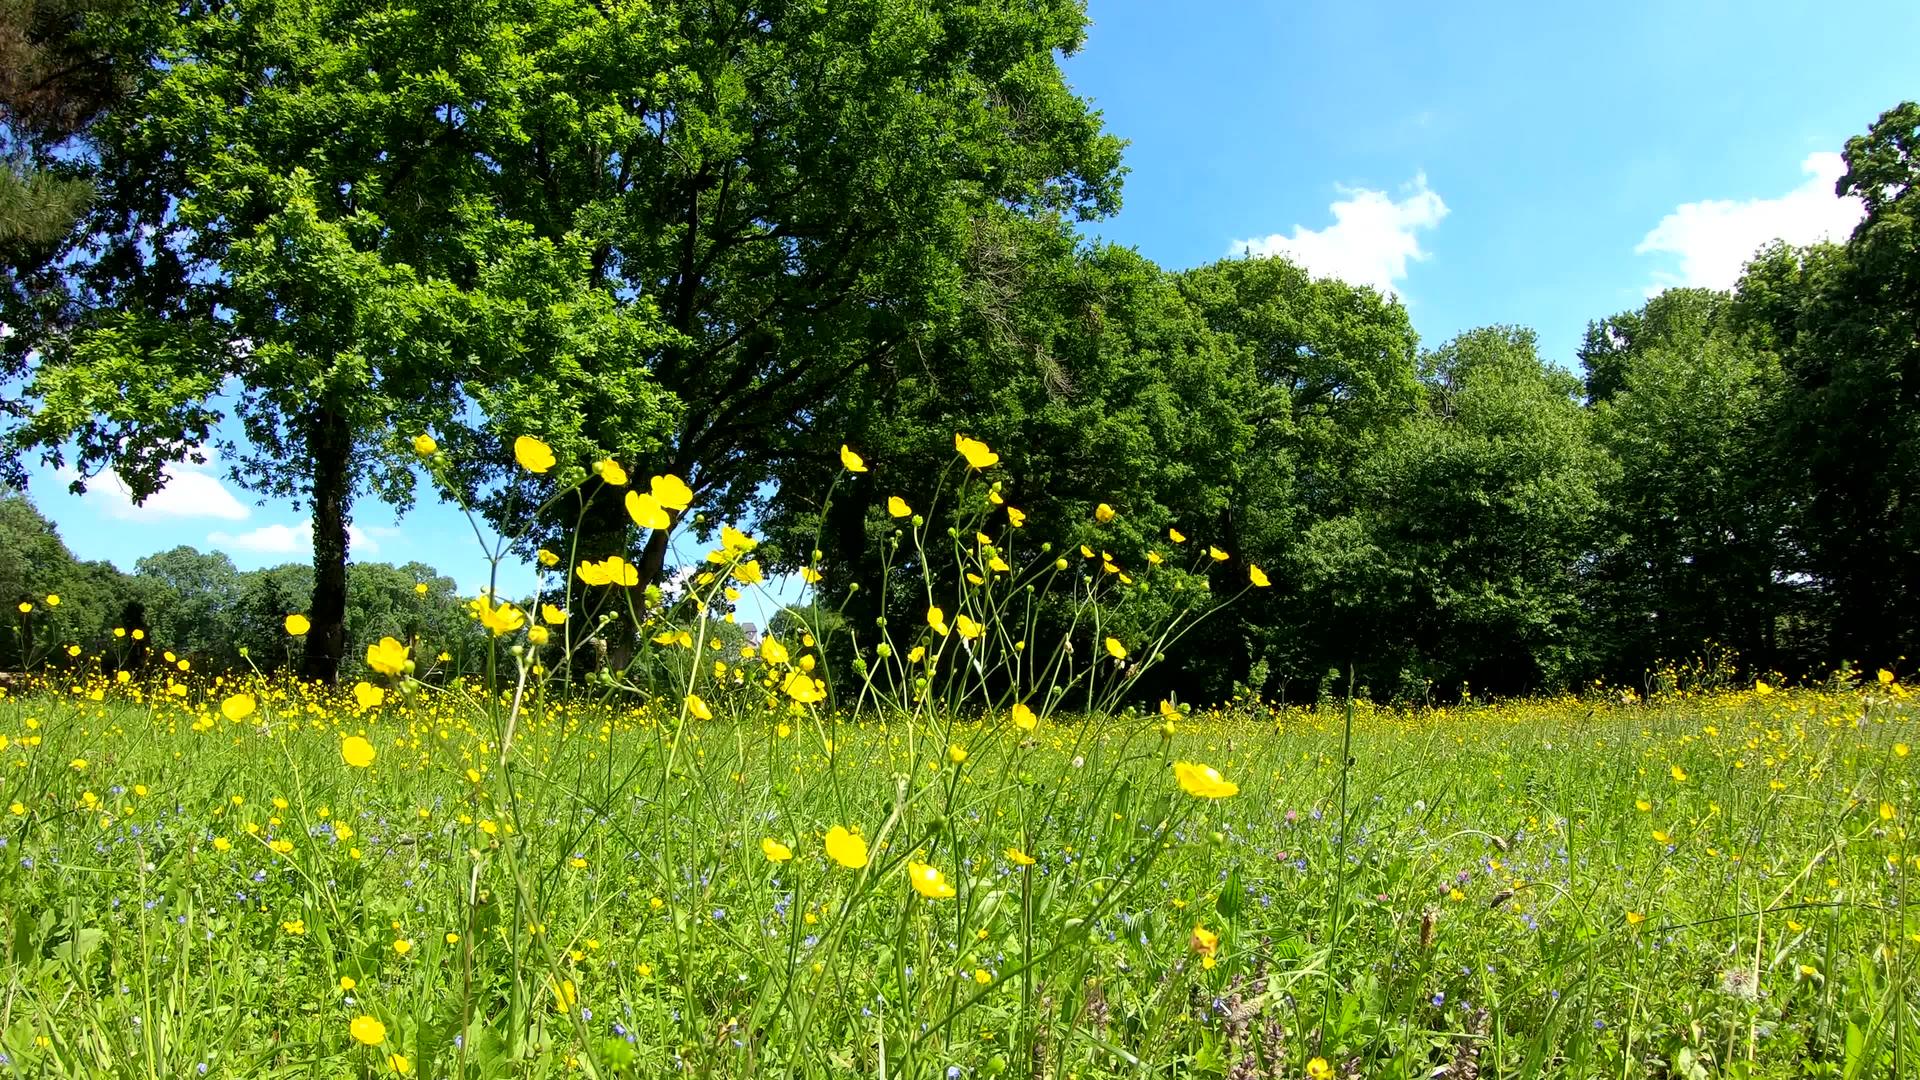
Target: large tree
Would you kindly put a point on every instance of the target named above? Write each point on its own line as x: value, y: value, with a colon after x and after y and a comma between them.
x: 1095, y: 380
x: 793, y: 187
x: 1693, y: 550
x: 1846, y: 458
x: 1460, y: 562
x: 302, y: 252
x: 1332, y: 368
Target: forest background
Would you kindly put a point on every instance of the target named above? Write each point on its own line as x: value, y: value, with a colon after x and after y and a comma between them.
x: 722, y: 241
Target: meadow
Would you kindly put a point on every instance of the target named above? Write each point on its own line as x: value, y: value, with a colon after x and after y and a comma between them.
x: 957, y: 857
x: 1707, y: 885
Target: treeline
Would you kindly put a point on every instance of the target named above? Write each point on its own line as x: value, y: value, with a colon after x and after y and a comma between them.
x: 1730, y: 476
x: 719, y: 242
x: 197, y: 606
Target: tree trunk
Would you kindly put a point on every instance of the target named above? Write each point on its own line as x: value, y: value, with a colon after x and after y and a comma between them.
x: 604, y: 530
x: 330, y: 444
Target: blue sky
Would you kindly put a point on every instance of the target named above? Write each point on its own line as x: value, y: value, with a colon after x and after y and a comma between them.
x: 1535, y: 164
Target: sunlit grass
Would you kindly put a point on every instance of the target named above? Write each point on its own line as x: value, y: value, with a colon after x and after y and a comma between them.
x: 1528, y: 882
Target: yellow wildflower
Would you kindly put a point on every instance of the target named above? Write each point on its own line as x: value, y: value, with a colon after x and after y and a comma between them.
x: 533, y: 455
x: 846, y: 848
x: 1203, y: 781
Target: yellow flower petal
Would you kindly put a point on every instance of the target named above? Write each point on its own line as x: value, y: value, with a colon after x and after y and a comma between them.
x: 356, y: 751
x: 646, y: 511
x: 846, y: 848
x: 533, y: 455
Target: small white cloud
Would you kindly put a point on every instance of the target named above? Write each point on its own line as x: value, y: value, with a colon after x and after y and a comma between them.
x: 1372, y: 239
x: 189, y: 492
x: 267, y: 539
x: 1714, y: 238
x: 294, y: 539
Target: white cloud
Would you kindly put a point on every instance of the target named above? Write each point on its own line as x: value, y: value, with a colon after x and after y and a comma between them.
x: 294, y: 539
x: 189, y: 492
x: 1714, y: 238
x: 1372, y: 239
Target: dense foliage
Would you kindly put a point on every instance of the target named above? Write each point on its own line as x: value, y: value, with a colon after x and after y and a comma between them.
x: 719, y: 243
x: 197, y: 606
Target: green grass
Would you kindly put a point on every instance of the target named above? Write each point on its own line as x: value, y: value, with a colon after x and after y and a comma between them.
x: 1481, y: 907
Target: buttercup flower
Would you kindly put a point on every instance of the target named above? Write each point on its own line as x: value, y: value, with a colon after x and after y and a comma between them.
x: 1206, y: 943
x: 646, y: 511
x: 774, y: 850
x: 850, y: 460
x: 424, y: 445
x: 804, y: 688
x: 504, y: 619
x: 238, y: 707
x: 389, y: 657
x: 975, y: 451
x: 929, y: 882
x: 1203, y: 781
x: 368, y: 1030
x: 671, y: 492
x: 356, y: 751
x: 846, y: 848
x: 533, y: 455
x: 297, y: 625
x: 897, y: 506
x: 613, y: 570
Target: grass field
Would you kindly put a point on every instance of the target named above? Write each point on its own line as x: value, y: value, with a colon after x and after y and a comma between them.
x: 202, y: 881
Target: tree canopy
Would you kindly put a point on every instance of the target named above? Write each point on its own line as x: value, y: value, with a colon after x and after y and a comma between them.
x: 719, y: 242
